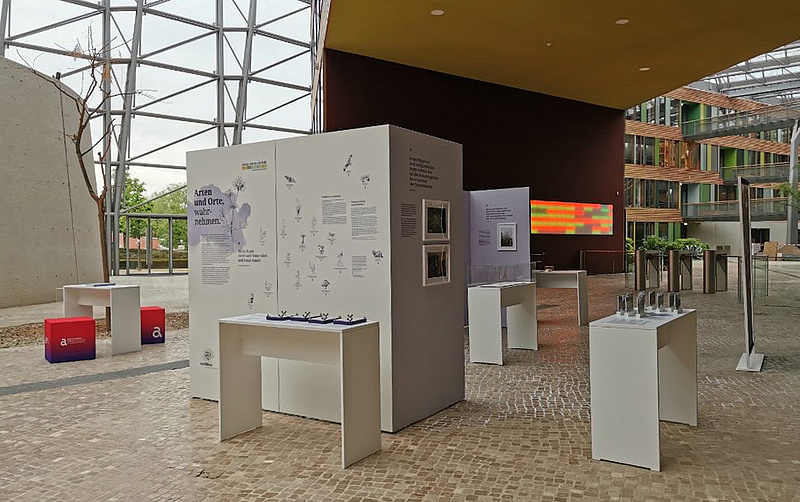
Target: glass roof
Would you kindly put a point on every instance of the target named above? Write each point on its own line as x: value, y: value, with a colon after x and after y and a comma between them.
x: 773, y: 77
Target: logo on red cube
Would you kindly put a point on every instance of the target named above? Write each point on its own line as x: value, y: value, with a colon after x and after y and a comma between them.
x: 153, y: 324
x: 69, y: 339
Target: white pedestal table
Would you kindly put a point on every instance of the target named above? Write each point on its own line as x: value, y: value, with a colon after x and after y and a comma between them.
x: 642, y: 370
x: 567, y: 279
x: 354, y: 349
x: 126, y: 331
x: 485, y: 303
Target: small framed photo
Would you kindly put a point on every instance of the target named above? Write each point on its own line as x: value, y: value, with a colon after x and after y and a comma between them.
x: 435, y: 264
x: 506, y: 236
x: 435, y: 220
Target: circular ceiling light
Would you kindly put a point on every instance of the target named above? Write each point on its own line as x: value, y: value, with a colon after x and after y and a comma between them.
x: 437, y: 12
x: 644, y: 68
x: 622, y: 21
x: 549, y: 44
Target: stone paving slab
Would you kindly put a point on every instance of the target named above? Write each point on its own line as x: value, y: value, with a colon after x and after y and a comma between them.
x: 522, y: 433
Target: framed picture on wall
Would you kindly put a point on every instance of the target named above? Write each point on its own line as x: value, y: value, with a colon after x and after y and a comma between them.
x: 506, y: 236
x: 435, y: 264
x: 435, y: 220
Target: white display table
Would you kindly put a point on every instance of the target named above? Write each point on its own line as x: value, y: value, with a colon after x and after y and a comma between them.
x: 641, y: 370
x: 126, y: 332
x: 485, y: 303
x: 567, y: 279
x: 354, y: 349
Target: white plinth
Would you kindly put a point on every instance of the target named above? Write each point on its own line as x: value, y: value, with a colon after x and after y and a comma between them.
x: 126, y: 331
x: 642, y: 370
x: 567, y: 279
x: 485, y: 303
x: 353, y: 349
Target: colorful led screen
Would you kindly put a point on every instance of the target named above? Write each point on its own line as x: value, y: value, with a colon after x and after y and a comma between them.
x: 550, y: 217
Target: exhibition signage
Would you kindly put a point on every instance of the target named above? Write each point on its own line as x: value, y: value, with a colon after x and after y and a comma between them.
x: 306, y: 228
x: 749, y: 361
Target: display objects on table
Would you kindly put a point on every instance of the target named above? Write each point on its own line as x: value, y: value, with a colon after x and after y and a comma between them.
x: 321, y: 318
x: 281, y: 316
x: 69, y: 339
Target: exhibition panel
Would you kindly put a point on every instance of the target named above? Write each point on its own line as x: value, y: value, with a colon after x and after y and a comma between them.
x: 79, y: 300
x: 643, y: 368
x: 486, y: 302
x: 352, y: 351
x: 567, y: 279
x: 310, y: 225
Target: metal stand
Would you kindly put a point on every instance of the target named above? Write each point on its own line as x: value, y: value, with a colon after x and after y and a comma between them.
x: 709, y: 271
x: 751, y: 363
x: 674, y: 271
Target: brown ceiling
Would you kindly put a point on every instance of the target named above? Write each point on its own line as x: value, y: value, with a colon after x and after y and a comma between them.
x: 591, y: 59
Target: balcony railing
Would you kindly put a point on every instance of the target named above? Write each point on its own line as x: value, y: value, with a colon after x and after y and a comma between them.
x: 774, y: 209
x: 765, y: 173
x: 764, y: 119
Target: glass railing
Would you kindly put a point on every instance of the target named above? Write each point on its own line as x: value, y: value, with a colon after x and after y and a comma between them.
x: 778, y: 171
x: 760, y: 209
x: 770, y: 117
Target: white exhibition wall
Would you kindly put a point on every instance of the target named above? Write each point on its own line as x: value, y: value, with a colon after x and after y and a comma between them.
x: 487, y: 209
x: 311, y: 224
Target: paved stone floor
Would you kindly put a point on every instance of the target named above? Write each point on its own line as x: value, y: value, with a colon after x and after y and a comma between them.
x: 522, y: 433
x: 168, y: 291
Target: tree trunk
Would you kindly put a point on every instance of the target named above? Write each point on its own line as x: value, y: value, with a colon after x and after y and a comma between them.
x: 101, y: 220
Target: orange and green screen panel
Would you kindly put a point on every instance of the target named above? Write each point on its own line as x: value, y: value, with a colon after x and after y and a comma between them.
x: 565, y: 218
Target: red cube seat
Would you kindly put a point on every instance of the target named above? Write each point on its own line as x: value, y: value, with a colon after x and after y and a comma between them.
x: 154, y: 324
x: 69, y: 339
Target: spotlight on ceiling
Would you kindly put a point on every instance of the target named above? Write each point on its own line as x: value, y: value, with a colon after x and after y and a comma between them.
x: 644, y: 68
x: 622, y: 21
x: 437, y: 12
x: 549, y: 44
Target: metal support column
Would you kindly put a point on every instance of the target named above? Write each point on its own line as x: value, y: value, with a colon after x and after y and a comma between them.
x: 113, y: 249
x: 4, y: 10
x: 674, y: 271
x: 125, y: 131
x: 640, y: 270
x: 709, y: 271
x: 220, y: 40
x: 791, y: 219
x: 241, y: 101
x: 149, y: 247
x: 169, y: 234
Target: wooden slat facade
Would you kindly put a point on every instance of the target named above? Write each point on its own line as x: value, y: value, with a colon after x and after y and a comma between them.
x: 672, y: 174
x: 714, y: 99
x: 648, y: 214
x: 674, y: 133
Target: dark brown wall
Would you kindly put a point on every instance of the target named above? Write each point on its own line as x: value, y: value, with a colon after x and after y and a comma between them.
x: 563, y: 150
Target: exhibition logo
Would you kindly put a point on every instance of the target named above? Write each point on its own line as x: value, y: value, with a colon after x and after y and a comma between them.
x: 255, y: 166
x: 157, y: 332
x: 63, y: 342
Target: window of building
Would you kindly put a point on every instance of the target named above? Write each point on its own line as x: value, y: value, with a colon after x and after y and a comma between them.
x: 662, y: 110
x: 629, y: 149
x: 675, y: 112
x: 649, y: 158
x: 726, y: 193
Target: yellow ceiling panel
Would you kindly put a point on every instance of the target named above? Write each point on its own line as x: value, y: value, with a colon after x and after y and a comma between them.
x: 568, y: 48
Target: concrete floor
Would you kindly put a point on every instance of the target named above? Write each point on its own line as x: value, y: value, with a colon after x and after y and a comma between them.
x: 522, y: 433
x: 168, y: 291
